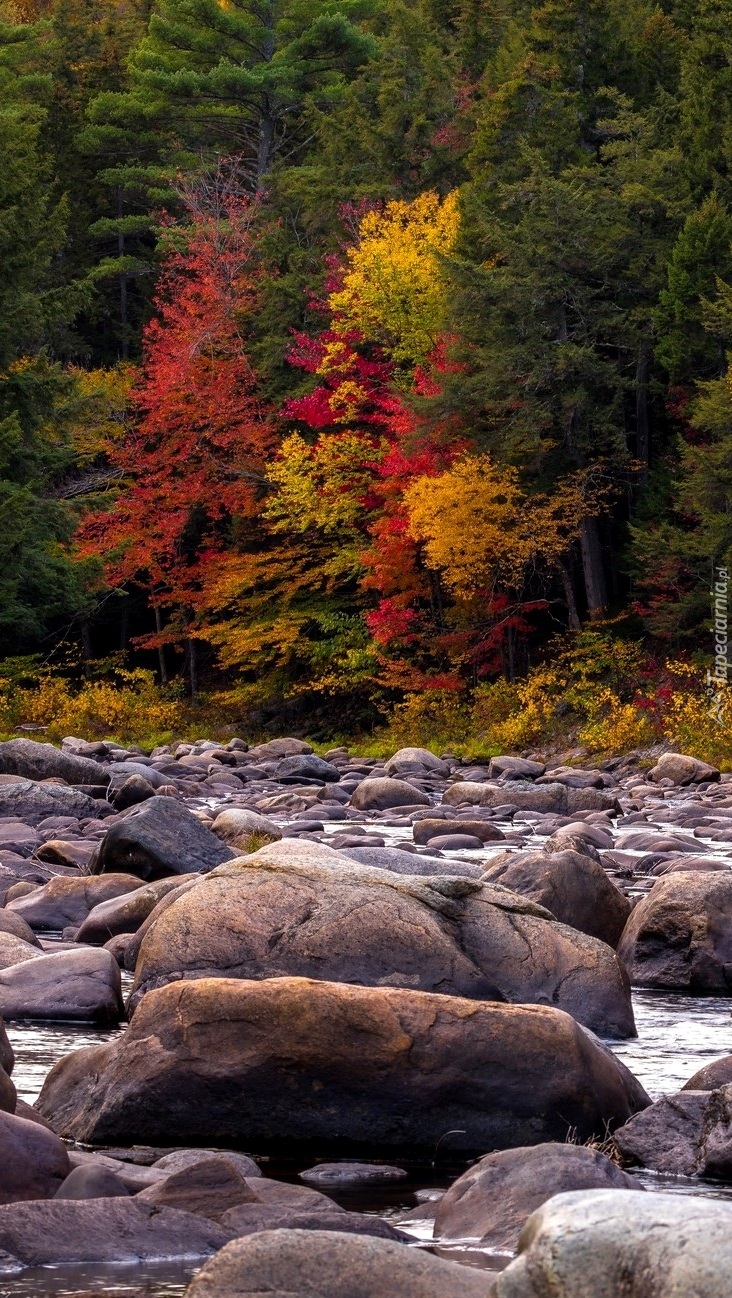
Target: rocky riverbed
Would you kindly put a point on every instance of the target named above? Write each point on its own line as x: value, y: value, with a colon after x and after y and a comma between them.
x: 303, y: 1013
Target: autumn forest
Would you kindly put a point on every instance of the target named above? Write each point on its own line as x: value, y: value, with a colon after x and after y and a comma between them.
x: 365, y: 363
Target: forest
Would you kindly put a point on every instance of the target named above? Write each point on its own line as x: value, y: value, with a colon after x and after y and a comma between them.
x: 365, y: 363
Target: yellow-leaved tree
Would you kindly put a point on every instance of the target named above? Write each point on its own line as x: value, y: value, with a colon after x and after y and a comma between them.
x: 392, y: 287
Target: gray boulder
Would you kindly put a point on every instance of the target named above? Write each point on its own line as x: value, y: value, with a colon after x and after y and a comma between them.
x: 33, y: 1161
x: 689, y: 1134
x: 65, y: 901
x: 416, y: 757
x: 159, y: 838
x: 680, y: 769
x: 79, y: 985
x: 32, y: 761
x: 711, y: 1076
x: 588, y: 1244
x: 570, y: 885
x: 383, y: 792
x: 680, y: 934
x: 307, y: 766
x: 237, y: 825
x: 33, y: 802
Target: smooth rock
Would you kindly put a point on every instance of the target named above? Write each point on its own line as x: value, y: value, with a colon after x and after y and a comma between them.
x: 208, y: 1187
x: 308, y: 767
x: 33, y: 802
x: 159, y: 838
x: 78, y: 985
x: 424, y: 830
x: 680, y: 769
x: 237, y: 825
x: 32, y: 761
x: 293, y: 1060
x: 92, y: 1182
x: 126, y: 913
x: 688, y: 1134
x: 680, y: 935
x: 33, y: 1161
x: 515, y: 768
x: 11, y: 922
x: 65, y: 902
x: 352, y: 1174
x: 711, y: 1076
x: 570, y: 885
x: 13, y: 950
x: 382, y: 793
x: 416, y: 757
x: 179, y: 1159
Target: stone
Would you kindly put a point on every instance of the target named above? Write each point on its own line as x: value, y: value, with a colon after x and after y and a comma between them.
x: 132, y: 791
x: 33, y: 761
x: 8, y: 1094
x: 490, y: 1202
x: 7, y: 1058
x: 515, y: 768
x: 10, y: 922
x: 300, y: 908
x: 416, y: 757
x: 124, y: 914
x: 291, y: 1060
x: 277, y: 748
x: 132, y: 947
x: 179, y: 1159
x: 65, y: 901
x: 383, y: 793
x: 456, y: 843
x: 208, y: 1187
x: 320, y: 1264
x: 79, y: 985
x: 307, y: 766
x: 352, y: 1174
x: 680, y: 769
x: 688, y: 1134
x: 13, y: 950
x: 33, y: 802
x: 237, y: 825
x: 400, y: 861
x: 92, y: 1182
x: 570, y: 885
x: 251, y: 1218
x: 711, y: 1076
x: 159, y: 838
x: 33, y: 1161
x: 587, y: 1244
x: 64, y: 1231
x: 425, y: 830
x: 520, y: 793
x: 680, y: 934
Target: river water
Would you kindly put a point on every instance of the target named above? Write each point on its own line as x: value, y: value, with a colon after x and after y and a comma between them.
x: 677, y: 1035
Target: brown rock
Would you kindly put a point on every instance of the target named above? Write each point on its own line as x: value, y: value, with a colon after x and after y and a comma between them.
x: 383, y: 792
x: 66, y: 901
x: 570, y: 885
x: 680, y: 934
x: 33, y: 1161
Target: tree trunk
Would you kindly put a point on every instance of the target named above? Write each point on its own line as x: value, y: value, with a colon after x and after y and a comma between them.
x: 86, y: 647
x: 592, y: 568
x: 192, y: 667
x: 573, y: 621
x: 123, y: 317
x: 161, y: 649
x: 266, y: 150
x: 642, y: 417
x: 124, y: 627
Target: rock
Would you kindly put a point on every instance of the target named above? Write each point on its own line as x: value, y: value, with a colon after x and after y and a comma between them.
x: 307, y: 766
x: 78, y: 985
x: 515, y: 768
x: 92, y: 1182
x: 124, y: 914
x: 8, y: 1095
x: 76, y: 854
x: 587, y: 1244
x: 7, y: 1058
x: 423, y: 831
x: 132, y: 791
x: 491, y: 1201
x: 208, y: 1187
x: 711, y: 1076
x: 416, y: 757
x: 570, y: 885
x: 251, y: 1218
x: 63, y: 1231
x: 456, y: 843
x: 680, y: 934
x: 14, y: 951
x: 132, y: 948
x: 689, y: 1134
x: 400, y: 861
x: 382, y: 793
x: 276, y: 748
x: 237, y: 825
x: 525, y: 796
x: 319, y: 1264
x: 160, y: 838
x: 33, y: 1161
x: 680, y: 769
x: 34, y: 802
x: 180, y: 1159
x: 10, y: 922
x: 32, y: 761
x: 66, y: 901
x: 300, y: 908
x: 352, y: 1174
x: 292, y: 1060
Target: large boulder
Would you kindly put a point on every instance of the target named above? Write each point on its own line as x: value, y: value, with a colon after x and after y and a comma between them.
x: 291, y: 1060
x: 381, y: 793
x: 32, y: 761
x: 237, y: 826
x: 680, y: 769
x: 711, y: 1076
x: 520, y: 793
x: 13, y: 950
x: 31, y: 802
x: 688, y: 1134
x: 160, y: 837
x: 79, y: 985
x: 680, y: 934
x: 17, y: 927
x: 124, y: 914
x: 415, y: 758
x: 65, y: 901
x: 569, y: 884
x: 319, y: 1264
x: 490, y: 1202
x: 306, y: 766
x: 303, y: 909
x: 588, y: 1244
x: 33, y: 1161
x: 65, y: 1231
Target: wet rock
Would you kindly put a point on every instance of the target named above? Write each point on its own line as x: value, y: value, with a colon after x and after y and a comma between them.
x: 237, y: 825
x: 352, y: 1174
x: 285, y: 1263
x: 92, y: 1182
x: 382, y: 793
x: 571, y: 886
x: 680, y: 934
x: 33, y: 1161
x: 78, y: 985
x: 251, y: 1218
x: 293, y: 1060
x: 680, y: 769
x: 101, y: 1230
x: 126, y: 913
x: 587, y: 1244
x: 298, y: 908
x: 66, y: 901
x: 7, y: 1058
x: 160, y: 838
x: 32, y: 761
x: 34, y: 802
x: 689, y: 1134
x: 711, y: 1076
x: 8, y: 1095
x: 491, y: 1201
x: 77, y: 854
